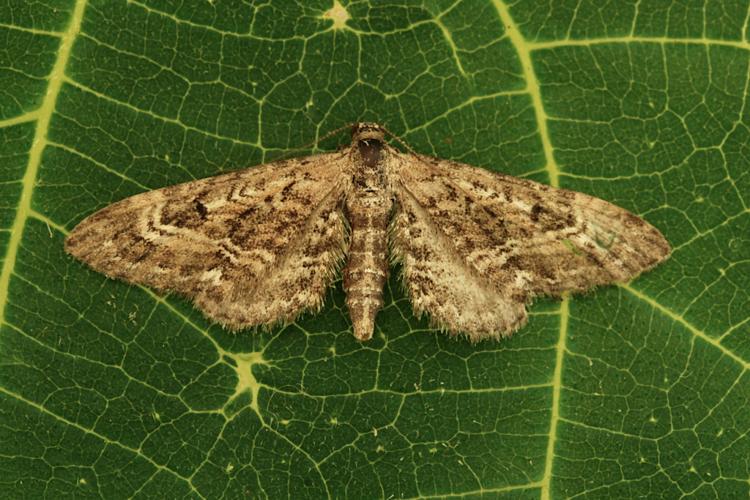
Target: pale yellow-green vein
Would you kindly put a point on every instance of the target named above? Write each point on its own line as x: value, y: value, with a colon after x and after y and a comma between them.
x: 45, y: 112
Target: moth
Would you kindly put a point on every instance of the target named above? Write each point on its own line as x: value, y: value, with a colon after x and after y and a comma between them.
x: 260, y: 246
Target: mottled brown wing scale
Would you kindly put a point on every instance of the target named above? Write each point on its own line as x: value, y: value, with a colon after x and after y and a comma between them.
x: 522, y: 237
x: 453, y: 294
x: 252, y: 247
x: 564, y: 240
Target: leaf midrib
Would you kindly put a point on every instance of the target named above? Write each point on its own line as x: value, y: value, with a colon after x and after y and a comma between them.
x: 43, y: 114
x: 523, y: 50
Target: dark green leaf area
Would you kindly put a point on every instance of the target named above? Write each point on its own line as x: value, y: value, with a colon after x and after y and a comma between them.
x: 636, y: 390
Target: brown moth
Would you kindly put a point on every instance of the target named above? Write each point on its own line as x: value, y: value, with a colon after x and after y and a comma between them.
x: 261, y: 245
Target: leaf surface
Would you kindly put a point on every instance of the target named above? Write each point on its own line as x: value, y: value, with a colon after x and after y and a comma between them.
x: 110, y: 390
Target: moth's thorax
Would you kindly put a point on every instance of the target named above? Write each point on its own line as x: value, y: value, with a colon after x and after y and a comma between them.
x: 369, y: 155
x: 370, y: 152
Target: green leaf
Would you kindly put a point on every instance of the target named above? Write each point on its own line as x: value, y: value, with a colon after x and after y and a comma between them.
x: 110, y: 390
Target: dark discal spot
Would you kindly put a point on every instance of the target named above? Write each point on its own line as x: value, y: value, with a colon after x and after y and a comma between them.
x: 268, y: 198
x: 287, y: 190
x: 508, y: 192
x: 248, y: 212
x: 200, y: 208
x: 452, y: 195
x: 535, y: 211
x: 469, y: 245
x: 513, y: 262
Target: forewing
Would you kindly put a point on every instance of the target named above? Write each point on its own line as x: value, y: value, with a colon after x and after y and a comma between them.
x: 250, y: 247
x: 527, y: 238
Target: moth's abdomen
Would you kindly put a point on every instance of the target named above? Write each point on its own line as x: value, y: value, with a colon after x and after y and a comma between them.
x: 367, y: 266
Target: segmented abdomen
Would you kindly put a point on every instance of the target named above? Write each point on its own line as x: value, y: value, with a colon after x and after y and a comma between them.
x: 367, y: 266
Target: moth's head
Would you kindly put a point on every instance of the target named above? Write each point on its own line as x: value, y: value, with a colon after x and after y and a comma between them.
x: 367, y: 130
